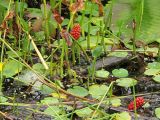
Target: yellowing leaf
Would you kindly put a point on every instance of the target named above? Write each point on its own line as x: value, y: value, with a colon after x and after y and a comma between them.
x: 1, y: 66
x: 56, y: 95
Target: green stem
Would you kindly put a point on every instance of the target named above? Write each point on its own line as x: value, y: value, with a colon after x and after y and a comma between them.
x: 135, y: 108
x: 46, y: 23
x: 89, y: 28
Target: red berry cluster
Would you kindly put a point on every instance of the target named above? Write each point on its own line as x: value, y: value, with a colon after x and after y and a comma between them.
x: 76, y: 31
x: 139, y: 103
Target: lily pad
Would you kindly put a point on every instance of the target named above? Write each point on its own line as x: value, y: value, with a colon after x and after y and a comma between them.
x: 157, y: 112
x: 118, y: 54
x: 157, y: 78
x: 102, y: 74
x: 126, y: 82
x: 151, y: 71
x: 120, y: 72
x: 115, y: 102
x: 49, y: 100
x: 154, y: 65
x: 79, y: 91
x: 123, y: 116
x: 98, y: 91
x: 84, y: 112
x: 53, y: 111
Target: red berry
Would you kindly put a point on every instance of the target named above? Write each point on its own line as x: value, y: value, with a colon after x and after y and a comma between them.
x: 76, y: 31
x: 139, y: 103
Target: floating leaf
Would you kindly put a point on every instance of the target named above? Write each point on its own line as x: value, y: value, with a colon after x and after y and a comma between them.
x: 59, y: 95
x: 52, y: 110
x: 126, y: 82
x: 84, y: 112
x: 102, y: 74
x: 11, y: 68
x: 118, y: 54
x: 154, y: 65
x: 79, y: 91
x: 120, y: 72
x: 115, y: 102
x: 157, y: 112
x: 123, y: 116
x: 98, y: 91
x: 46, y: 90
x: 49, y: 100
x: 150, y: 72
x: 157, y: 78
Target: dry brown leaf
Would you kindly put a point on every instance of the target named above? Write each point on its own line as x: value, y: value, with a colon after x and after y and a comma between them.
x: 57, y: 17
x: 77, y: 6
x: 37, y: 25
x: 65, y: 35
x: 10, y: 15
x: 100, y: 6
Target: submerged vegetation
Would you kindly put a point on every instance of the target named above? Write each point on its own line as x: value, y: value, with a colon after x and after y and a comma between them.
x: 79, y: 59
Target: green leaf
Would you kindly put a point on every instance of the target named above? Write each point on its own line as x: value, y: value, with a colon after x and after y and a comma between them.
x: 123, y: 116
x: 126, y: 82
x: 39, y: 68
x: 97, y: 51
x: 157, y: 112
x: 49, y: 100
x: 3, y: 99
x: 84, y: 112
x: 11, y: 54
x: 102, y: 74
x: 53, y: 111
x: 11, y: 68
x: 118, y: 54
x: 157, y: 78
x: 151, y: 71
x: 46, y: 90
x: 115, y: 102
x: 154, y: 65
x: 120, y: 72
x: 79, y: 91
x: 98, y: 91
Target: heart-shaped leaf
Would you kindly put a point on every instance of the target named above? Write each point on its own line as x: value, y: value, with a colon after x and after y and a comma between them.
x: 79, y: 91
x: 102, y: 74
x: 126, y: 82
x: 120, y: 72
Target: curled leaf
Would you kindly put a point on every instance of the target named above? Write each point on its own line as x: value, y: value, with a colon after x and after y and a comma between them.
x: 100, y: 6
x: 65, y: 35
x: 57, y: 17
x: 77, y: 6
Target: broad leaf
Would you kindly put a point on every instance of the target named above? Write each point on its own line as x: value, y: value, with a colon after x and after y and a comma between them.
x: 126, y: 82
x: 79, y: 91
x: 84, y: 112
x: 120, y: 72
x: 11, y: 68
x: 102, y: 74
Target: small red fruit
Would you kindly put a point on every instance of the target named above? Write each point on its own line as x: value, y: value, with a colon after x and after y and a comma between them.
x: 76, y: 31
x: 139, y: 103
